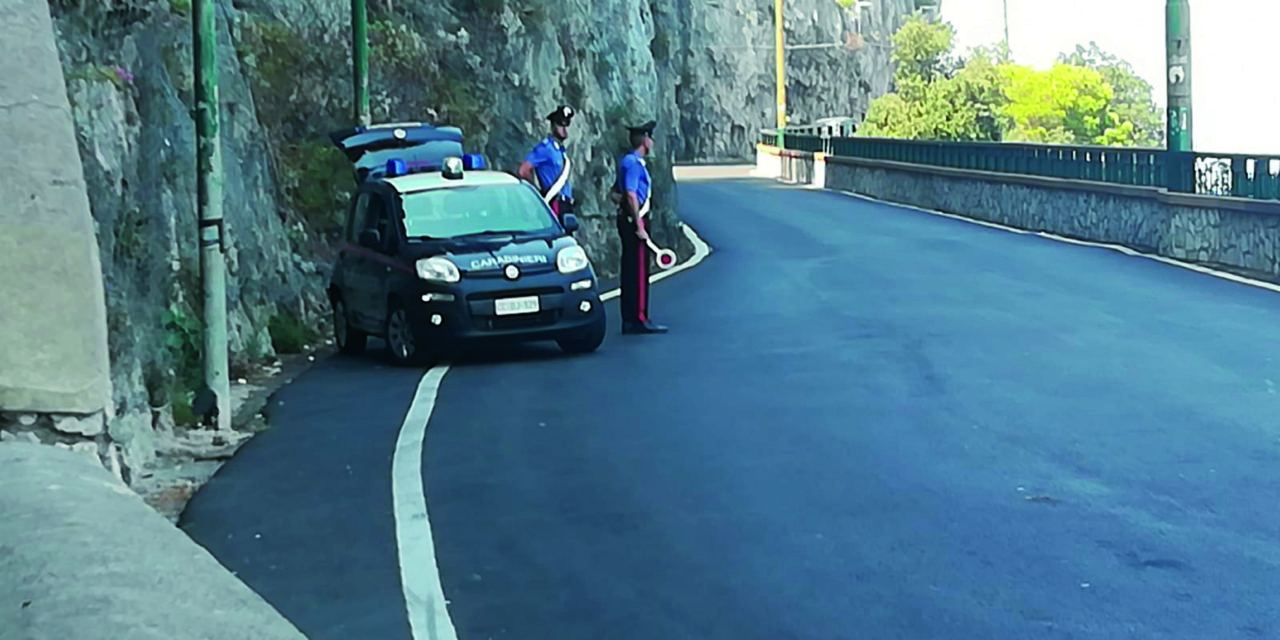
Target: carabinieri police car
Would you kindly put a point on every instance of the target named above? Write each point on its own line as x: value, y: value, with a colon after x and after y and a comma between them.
x: 441, y: 251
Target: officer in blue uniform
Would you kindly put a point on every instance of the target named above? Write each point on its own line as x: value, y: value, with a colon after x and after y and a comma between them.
x: 632, y: 191
x: 547, y: 165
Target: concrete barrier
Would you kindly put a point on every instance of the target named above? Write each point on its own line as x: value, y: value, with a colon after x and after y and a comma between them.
x: 81, y: 556
x: 1232, y: 234
x: 797, y: 167
x: 53, y: 327
x: 819, y: 179
x: 768, y: 162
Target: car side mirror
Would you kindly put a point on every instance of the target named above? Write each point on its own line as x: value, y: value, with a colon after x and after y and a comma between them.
x: 570, y: 222
x: 370, y: 239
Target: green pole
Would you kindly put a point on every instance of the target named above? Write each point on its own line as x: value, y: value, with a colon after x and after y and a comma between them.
x: 1180, y: 162
x: 360, y: 59
x: 1178, y: 53
x: 209, y: 203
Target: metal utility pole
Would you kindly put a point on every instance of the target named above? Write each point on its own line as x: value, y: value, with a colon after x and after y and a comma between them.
x: 1178, y: 52
x: 1180, y: 163
x: 360, y: 60
x: 209, y: 202
x: 781, y: 80
x: 1008, y: 53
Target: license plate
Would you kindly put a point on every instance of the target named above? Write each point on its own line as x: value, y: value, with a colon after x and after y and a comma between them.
x: 513, y: 306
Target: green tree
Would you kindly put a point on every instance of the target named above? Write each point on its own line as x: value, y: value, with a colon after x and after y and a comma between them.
x: 1066, y: 105
x: 1134, y: 105
x: 1087, y: 97
x: 937, y: 97
x: 921, y: 50
x: 983, y: 87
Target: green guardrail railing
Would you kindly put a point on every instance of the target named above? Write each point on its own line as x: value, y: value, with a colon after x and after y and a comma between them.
x: 1238, y: 175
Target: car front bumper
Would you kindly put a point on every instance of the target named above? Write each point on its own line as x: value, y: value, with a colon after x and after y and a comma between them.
x: 468, y: 311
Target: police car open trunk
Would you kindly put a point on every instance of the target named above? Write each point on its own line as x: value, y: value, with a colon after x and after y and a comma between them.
x: 422, y: 147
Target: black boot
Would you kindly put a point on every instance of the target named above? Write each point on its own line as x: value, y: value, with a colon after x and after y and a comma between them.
x: 653, y: 327
x: 642, y: 327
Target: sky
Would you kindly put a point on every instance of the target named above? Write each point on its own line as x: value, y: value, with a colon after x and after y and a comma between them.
x: 1235, y: 66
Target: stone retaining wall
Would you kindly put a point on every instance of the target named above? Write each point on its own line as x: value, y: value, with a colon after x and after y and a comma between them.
x: 53, y: 329
x: 1233, y: 234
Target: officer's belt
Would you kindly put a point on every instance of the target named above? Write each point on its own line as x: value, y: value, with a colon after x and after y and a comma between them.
x: 644, y: 209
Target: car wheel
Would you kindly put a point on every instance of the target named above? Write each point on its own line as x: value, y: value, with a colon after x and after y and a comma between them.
x: 405, y: 343
x: 349, y: 339
x: 588, y: 339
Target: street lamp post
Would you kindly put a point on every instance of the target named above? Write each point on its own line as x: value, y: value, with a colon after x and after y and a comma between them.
x: 1179, y: 161
x: 1178, y: 53
x: 212, y: 229
x: 360, y: 60
x: 781, y: 76
x: 1007, y: 50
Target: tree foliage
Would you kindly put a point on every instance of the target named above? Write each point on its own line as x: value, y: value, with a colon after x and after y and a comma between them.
x: 1133, y: 101
x: 920, y: 50
x: 937, y: 96
x: 1087, y: 97
x: 1066, y: 104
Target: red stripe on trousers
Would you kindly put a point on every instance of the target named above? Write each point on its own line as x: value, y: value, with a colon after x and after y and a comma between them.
x: 643, y: 276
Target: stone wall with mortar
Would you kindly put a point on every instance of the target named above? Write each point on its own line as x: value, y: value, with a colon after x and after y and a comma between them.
x: 1233, y: 234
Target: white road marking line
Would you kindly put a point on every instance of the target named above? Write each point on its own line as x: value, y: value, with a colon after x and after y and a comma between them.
x: 1225, y: 275
x: 424, y: 599
x: 419, y: 575
x: 700, y: 251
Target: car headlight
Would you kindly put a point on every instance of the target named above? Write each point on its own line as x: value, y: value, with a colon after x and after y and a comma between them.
x: 438, y: 268
x: 572, y: 259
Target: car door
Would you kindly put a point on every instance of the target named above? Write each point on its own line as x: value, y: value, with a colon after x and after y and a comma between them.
x: 363, y: 265
x: 352, y: 274
x: 380, y: 264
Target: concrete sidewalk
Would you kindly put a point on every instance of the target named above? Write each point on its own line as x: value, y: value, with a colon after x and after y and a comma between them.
x: 81, y: 557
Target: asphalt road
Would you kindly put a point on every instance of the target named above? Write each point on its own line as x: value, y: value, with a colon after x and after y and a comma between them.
x: 866, y: 422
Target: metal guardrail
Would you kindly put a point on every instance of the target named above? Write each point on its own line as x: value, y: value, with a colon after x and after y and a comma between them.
x: 1238, y: 175
x: 1241, y: 176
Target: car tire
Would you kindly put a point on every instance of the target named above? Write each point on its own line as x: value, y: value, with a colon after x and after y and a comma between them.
x: 588, y: 339
x: 406, y: 345
x: 349, y: 339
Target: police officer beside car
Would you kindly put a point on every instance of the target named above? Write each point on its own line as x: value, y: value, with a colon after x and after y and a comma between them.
x: 632, y: 191
x: 547, y: 165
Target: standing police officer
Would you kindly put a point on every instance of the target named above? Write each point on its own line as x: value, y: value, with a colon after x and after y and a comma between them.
x: 547, y: 165
x: 633, y: 191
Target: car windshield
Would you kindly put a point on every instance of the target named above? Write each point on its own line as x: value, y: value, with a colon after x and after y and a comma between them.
x: 460, y: 211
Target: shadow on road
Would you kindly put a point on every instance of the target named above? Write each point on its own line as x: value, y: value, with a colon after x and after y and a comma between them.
x: 376, y: 357
x: 509, y: 353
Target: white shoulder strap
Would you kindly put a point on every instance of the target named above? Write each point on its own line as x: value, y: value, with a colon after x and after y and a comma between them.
x: 644, y: 208
x: 559, y: 183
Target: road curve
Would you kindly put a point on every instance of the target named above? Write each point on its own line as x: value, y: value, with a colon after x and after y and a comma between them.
x: 866, y: 422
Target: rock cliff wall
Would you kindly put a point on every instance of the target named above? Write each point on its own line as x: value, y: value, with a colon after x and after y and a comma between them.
x: 837, y: 61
